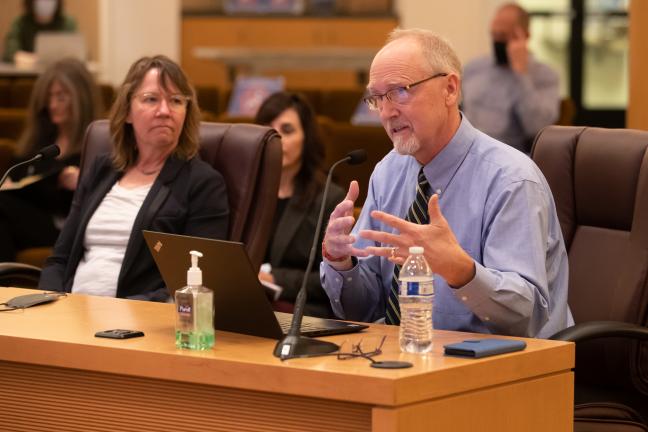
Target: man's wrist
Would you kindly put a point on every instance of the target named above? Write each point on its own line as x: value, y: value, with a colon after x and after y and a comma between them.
x: 330, y: 258
x: 337, y: 263
x: 345, y: 265
x: 464, y: 272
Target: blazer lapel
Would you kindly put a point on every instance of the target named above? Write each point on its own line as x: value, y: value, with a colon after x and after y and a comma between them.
x: 151, y: 205
x: 289, y: 223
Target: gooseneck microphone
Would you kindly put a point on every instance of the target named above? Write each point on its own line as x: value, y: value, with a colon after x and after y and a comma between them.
x: 293, y: 344
x: 49, y: 152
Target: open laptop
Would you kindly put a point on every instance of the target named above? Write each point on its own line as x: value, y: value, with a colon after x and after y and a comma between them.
x: 240, y: 302
x: 50, y: 47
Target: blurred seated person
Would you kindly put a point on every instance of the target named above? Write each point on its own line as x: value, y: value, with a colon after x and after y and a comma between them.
x: 510, y: 95
x: 152, y: 180
x: 39, y: 15
x: 300, y: 197
x: 65, y: 99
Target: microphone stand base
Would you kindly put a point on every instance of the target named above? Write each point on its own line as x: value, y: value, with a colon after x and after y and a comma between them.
x: 301, y: 346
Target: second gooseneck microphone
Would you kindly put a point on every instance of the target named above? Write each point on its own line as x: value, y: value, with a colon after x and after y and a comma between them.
x: 293, y: 344
x: 49, y: 152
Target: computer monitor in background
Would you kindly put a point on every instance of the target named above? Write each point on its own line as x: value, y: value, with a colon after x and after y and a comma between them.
x: 50, y: 47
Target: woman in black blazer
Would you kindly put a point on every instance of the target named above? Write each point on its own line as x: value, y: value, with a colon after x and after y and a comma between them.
x: 63, y: 102
x: 153, y: 180
x: 300, y: 198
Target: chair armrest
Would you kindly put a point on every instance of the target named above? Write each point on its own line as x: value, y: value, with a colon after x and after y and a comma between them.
x: 19, y: 274
x: 601, y: 329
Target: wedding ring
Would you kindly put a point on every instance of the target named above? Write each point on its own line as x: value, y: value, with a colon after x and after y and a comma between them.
x: 393, y: 251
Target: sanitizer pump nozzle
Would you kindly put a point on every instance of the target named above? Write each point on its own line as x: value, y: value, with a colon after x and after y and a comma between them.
x: 194, y: 274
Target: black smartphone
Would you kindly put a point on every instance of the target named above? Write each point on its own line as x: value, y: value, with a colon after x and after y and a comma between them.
x: 119, y: 334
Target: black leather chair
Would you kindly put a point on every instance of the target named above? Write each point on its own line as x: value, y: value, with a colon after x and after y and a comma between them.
x: 599, y: 179
x: 249, y: 158
x: 19, y: 275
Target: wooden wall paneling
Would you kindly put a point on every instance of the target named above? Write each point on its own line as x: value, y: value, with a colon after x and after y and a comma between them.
x: 637, y: 115
x: 229, y: 32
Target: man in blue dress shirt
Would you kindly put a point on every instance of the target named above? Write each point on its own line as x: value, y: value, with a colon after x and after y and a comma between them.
x: 493, y: 239
x: 510, y: 95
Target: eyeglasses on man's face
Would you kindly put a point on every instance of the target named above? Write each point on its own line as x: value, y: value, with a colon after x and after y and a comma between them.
x: 152, y: 101
x: 398, y: 95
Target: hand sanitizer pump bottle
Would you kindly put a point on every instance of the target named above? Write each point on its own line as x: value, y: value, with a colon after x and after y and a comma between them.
x: 194, y: 311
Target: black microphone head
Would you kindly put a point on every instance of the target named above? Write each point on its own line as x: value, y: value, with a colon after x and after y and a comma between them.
x: 49, y: 152
x: 357, y: 156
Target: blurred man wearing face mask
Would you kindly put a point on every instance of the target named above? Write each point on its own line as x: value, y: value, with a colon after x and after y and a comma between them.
x: 509, y: 95
x: 39, y: 15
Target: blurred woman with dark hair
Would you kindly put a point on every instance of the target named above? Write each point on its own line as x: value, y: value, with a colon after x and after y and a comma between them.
x: 300, y: 197
x: 152, y: 180
x: 64, y: 100
x: 39, y: 15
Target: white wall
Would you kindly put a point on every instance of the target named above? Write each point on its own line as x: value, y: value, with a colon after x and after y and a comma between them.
x: 130, y: 29
x: 464, y: 23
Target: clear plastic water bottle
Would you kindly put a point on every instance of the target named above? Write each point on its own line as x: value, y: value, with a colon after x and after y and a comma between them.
x: 416, y: 300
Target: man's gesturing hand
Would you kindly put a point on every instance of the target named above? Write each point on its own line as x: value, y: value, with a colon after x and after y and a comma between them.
x: 338, y: 243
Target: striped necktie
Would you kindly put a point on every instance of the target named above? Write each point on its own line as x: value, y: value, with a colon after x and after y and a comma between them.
x: 417, y: 213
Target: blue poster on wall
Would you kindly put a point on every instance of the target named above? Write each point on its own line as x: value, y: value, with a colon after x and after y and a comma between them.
x: 249, y: 93
x: 363, y: 116
x: 264, y: 6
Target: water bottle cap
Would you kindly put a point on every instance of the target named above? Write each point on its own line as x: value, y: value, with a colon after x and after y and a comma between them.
x: 418, y: 250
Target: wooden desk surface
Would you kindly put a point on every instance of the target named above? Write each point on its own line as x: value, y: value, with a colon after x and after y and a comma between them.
x: 62, y: 334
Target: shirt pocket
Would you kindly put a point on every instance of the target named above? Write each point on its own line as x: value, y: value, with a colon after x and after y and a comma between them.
x: 494, y: 118
x: 169, y: 219
x: 491, y: 114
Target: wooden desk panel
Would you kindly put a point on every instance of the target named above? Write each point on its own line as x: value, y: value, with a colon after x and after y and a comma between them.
x: 492, y: 409
x: 56, y: 374
x: 36, y: 398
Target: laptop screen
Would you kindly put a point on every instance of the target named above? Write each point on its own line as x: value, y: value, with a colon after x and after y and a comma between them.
x: 240, y: 301
x: 50, y: 47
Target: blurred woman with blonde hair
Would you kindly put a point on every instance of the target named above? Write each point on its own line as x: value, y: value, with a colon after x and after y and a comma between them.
x: 63, y: 102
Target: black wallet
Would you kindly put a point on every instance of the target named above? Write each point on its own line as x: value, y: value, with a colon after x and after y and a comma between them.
x: 477, y: 348
x: 119, y: 334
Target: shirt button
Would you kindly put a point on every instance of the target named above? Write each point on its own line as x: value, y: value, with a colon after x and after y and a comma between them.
x: 338, y: 280
x: 337, y: 301
x: 349, y: 279
x: 438, y: 191
x: 464, y: 298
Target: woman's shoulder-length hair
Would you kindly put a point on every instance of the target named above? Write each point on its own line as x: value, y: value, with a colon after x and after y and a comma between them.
x: 122, y: 133
x: 85, y: 106
x: 310, y: 176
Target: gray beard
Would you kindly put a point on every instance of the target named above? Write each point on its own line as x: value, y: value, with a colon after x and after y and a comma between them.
x: 407, y: 147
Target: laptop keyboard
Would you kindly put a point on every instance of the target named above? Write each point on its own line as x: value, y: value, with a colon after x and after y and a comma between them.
x: 313, y: 327
x: 306, y: 325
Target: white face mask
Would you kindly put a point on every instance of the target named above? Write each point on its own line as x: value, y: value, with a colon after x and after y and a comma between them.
x: 44, y: 10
